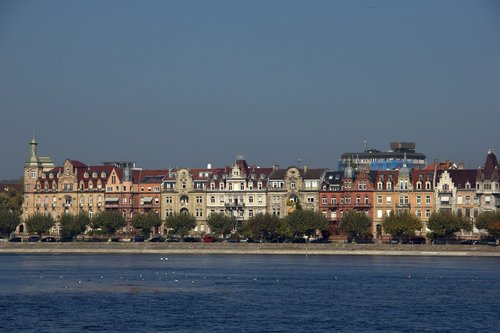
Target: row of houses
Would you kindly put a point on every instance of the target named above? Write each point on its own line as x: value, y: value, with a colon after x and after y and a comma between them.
x: 244, y: 190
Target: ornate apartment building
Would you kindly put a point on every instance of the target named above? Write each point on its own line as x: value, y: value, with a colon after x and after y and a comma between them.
x: 243, y: 191
x: 184, y: 191
x: 488, y: 184
x: 287, y: 187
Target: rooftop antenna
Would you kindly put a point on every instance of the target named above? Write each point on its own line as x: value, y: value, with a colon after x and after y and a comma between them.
x: 298, y: 162
x: 366, y: 145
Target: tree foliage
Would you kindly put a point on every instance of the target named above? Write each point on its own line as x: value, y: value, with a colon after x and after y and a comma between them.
x: 490, y: 221
x: 109, y: 221
x: 39, y: 223
x: 305, y: 222
x: 401, y: 224
x: 8, y: 222
x: 356, y: 225
x: 181, y: 223
x: 11, y: 200
x: 262, y: 226
x: 445, y: 223
x: 221, y: 224
x: 145, y: 222
x: 72, y: 225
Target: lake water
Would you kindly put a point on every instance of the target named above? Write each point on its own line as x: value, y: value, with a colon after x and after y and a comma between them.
x: 248, y: 293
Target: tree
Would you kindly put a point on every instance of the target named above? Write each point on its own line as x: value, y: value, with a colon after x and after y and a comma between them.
x: 109, y: 221
x: 181, y: 223
x: 306, y: 222
x: 356, y: 225
x: 11, y: 200
x: 490, y: 221
x: 401, y: 224
x: 445, y: 223
x: 39, y: 223
x: 72, y: 225
x: 221, y: 224
x: 145, y: 222
x: 262, y: 226
x: 8, y: 222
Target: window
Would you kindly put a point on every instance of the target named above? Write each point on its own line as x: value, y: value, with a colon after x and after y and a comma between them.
x: 459, y: 200
x: 183, y: 184
x: 310, y: 199
x: 250, y: 199
x: 199, y: 199
x: 324, y: 200
x: 212, y: 186
x: 476, y: 200
x: 419, y: 213
x: 467, y: 199
x: 419, y: 185
x: 379, y: 213
x: 388, y: 186
x: 427, y: 185
x: 380, y: 186
x: 388, y: 200
x: 212, y: 199
x: 242, y: 186
x: 221, y: 186
x: 199, y: 212
x: 334, y: 201
x: 427, y: 199
x: 149, y: 188
x: 487, y: 199
x: 276, y: 211
x: 427, y: 213
x: 157, y: 201
x: 259, y: 186
x: 168, y: 212
x: 250, y: 213
x: 168, y: 200
x: 221, y: 199
x: 419, y: 199
x: 124, y: 200
x: 230, y: 186
x: 260, y: 199
x: 156, y: 189
x: 367, y: 201
x: 379, y: 199
x: 358, y: 200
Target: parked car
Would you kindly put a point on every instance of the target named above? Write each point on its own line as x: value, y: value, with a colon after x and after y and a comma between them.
x: 33, y: 238
x: 208, y: 239
x: 157, y: 239
x: 49, y: 239
x: 190, y: 239
x: 417, y: 240
x: 172, y: 239
x: 137, y: 239
x: 16, y: 239
x: 320, y: 241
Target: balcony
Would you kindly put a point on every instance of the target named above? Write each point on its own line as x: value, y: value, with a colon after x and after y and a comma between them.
x: 403, y: 205
x: 234, y: 206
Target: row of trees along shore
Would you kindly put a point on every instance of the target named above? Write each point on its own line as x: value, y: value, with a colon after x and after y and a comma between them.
x: 357, y: 226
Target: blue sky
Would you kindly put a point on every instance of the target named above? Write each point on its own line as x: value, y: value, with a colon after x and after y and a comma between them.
x: 186, y: 83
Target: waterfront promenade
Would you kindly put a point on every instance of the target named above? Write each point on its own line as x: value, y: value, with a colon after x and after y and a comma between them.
x: 251, y: 248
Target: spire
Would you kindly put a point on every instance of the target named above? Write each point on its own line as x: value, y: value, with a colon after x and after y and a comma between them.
x: 33, y: 160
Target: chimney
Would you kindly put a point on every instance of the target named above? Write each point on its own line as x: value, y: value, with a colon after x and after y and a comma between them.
x: 276, y: 167
x: 305, y: 168
x: 209, y: 166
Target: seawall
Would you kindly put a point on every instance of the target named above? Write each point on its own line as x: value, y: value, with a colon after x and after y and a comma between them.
x: 250, y: 248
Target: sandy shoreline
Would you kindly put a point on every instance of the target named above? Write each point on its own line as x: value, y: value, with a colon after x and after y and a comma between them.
x: 243, y: 248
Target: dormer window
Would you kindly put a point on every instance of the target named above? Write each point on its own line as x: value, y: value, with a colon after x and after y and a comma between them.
x: 388, y: 185
x: 380, y: 186
x: 51, y: 175
x: 467, y: 186
x: 103, y: 174
x: 94, y: 174
x: 43, y: 176
x: 427, y: 185
x: 86, y: 175
x: 419, y: 185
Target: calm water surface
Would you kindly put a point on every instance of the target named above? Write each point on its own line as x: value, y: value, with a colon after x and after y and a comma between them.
x: 250, y: 293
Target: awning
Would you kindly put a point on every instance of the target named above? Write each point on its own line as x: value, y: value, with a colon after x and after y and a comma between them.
x: 147, y: 199
x: 112, y: 200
